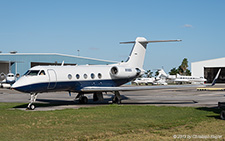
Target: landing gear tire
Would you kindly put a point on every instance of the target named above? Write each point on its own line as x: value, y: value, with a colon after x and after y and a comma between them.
x: 222, y: 115
x: 31, y: 107
x: 83, y: 100
x: 116, y: 100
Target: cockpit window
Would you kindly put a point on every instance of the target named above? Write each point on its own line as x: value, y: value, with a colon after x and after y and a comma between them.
x: 33, y: 72
x: 42, y: 72
x: 26, y: 72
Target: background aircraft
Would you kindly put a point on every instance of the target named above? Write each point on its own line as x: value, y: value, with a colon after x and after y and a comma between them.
x: 146, y: 81
x: 180, y: 78
x: 9, y: 79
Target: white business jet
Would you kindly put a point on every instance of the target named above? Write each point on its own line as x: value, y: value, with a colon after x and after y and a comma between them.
x: 181, y: 78
x: 9, y: 79
x: 146, y: 81
x: 86, y: 79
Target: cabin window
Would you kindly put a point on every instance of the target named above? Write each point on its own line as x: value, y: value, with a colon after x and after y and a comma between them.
x: 85, y: 76
x: 42, y: 72
x: 33, y: 72
x: 99, y: 75
x: 69, y: 76
x: 92, y: 75
x: 77, y: 76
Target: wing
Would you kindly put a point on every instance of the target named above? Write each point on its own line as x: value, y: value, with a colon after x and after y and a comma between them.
x: 134, y: 88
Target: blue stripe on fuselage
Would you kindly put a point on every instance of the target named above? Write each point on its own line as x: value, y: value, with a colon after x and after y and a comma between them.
x: 73, y: 86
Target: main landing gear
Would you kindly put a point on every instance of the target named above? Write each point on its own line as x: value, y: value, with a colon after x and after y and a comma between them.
x: 98, y: 96
x: 33, y: 97
x: 82, y: 99
x: 116, y: 98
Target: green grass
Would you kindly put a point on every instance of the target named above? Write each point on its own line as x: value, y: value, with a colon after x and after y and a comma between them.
x: 112, y: 122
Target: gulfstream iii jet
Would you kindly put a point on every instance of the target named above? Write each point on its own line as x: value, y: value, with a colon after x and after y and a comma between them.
x: 86, y: 79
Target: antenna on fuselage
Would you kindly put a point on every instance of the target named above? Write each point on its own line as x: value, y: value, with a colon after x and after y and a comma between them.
x: 62, y: 63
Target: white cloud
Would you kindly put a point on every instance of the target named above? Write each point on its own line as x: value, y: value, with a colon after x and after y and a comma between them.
x: 187, y: 26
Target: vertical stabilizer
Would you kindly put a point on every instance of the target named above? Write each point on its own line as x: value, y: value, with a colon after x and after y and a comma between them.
x: 162, y: 73
x: 137, y: 55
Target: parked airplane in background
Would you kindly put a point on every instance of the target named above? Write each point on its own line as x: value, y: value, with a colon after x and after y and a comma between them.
x: 151, y: 80
x: 180, y: 78
x: 85, y: 79
x: 146, y: 81
x: 9, y: 79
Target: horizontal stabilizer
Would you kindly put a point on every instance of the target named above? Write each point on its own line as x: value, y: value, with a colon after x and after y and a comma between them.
x: 130, y: 42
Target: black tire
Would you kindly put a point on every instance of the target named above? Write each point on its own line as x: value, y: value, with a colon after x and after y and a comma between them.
x: 95, y: 98
x: 32, y: 107
x: 222, y: 115
x: 116, y: 100
x: 83, y: 100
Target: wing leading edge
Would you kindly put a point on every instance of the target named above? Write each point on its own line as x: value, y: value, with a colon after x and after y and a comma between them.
x: 134, y: 88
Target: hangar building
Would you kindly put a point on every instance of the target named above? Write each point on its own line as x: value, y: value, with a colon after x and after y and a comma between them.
x: 209, y: 68
x: 21, y: 62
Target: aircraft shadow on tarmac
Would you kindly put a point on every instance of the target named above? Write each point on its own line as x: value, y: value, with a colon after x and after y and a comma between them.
x: 106, y: 101
x: 54, y: 102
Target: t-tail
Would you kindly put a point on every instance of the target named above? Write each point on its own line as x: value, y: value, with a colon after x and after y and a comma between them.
x: 137, y: 55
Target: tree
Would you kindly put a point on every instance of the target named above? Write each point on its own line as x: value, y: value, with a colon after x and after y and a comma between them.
x: 148, y: 73
x: 183, y: 66
x: 182, y: 69
x: 157, y: 73
x: 173, y: 71
x: 188, y: 72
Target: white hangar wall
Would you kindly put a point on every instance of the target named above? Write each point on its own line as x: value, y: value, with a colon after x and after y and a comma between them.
x: 200, y: 68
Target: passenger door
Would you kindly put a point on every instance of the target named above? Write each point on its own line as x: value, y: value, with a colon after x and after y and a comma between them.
x: 52, y: 79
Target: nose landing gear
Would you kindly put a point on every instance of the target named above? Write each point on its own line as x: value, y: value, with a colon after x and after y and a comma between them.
x: 33, y: 97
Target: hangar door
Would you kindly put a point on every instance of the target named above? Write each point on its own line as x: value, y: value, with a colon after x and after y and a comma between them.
x: 210, y: 74
x: 6, y: 67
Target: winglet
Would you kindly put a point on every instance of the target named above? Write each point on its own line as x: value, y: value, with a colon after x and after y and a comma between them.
x: 217, y: 75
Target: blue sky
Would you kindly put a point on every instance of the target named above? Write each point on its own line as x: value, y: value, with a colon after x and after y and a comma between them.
x: 95, y: 27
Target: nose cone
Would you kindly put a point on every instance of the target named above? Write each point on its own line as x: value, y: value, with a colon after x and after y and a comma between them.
x: 20, y: 85
x: 14, y: 86
x: 17, y: 87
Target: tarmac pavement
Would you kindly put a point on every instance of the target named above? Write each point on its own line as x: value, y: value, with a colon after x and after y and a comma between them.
x: 185, y: 97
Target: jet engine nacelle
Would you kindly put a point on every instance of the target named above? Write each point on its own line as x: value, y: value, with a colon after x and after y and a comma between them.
x: 124, y: 72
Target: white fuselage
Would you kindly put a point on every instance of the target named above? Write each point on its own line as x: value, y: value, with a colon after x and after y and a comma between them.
x: 190, y: 79
x: 74, y: 78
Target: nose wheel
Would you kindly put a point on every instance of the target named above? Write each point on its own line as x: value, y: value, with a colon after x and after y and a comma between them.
x: 33, y: 97
x: 31, y: 107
